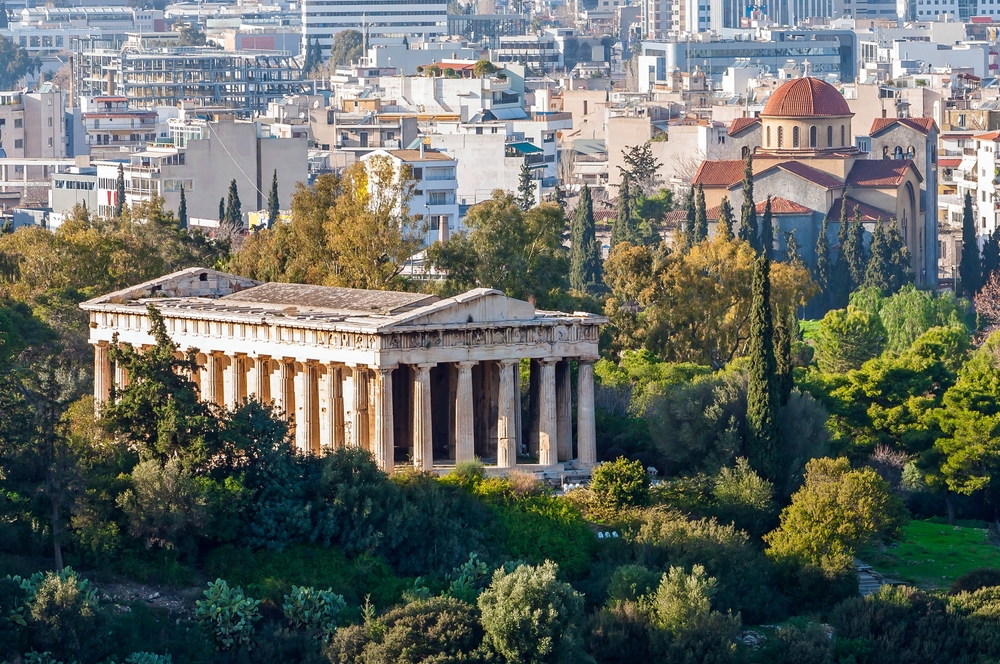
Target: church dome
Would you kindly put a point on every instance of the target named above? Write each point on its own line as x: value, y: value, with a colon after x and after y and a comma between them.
x: 806, y: 97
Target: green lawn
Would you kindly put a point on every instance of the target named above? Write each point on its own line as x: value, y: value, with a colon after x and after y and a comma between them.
x: 933, y: 555
x: 809, y: 328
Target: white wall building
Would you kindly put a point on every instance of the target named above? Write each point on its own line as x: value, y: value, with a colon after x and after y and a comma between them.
x: 385, y: 21
x: 483, y: 164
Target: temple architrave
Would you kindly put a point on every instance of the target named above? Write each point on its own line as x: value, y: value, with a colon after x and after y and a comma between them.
x: 413, y: 378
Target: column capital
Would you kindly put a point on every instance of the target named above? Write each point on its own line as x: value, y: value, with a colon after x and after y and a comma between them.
x: 425, y: 366
x: 506, y: 364
x: 586, y: 360
x: 102, y: 343
x: 386, y: 368
x: 466, y: 364
x: 549, y: 360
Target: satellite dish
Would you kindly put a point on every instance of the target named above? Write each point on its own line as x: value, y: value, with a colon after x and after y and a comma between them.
x: 302, y: 115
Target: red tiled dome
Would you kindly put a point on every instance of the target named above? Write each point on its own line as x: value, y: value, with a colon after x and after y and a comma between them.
x: 806, y: 97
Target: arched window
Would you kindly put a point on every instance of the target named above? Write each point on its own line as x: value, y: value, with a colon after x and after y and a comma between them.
x: 829, y: 136
x: 911, y: 152
x: 843, y: 135
x: 795, y: 137
x: 768, y: 137
x: 781, y: 137
x: 885, y: 151
x: 897, y: 153
x: 745, y: 152
x: 812, y: 136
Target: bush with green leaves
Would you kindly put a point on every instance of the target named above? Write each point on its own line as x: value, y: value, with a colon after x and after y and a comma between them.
x: 315, y: 610
x: 848, y: 338
x: 531, y: 617
x: 60, y: 609
x: 984, y: 577
x: 468, y: 580
x: 619, y: 634
x: 744, y: 498
x: 621, y: 483
x: 629, y: 583
x: 228, y: 614
x: 148, y: 658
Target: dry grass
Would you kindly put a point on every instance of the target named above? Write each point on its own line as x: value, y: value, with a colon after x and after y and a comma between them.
x: 524, y: 484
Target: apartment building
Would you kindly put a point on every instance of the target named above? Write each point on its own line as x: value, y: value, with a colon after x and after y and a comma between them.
x: 33, y: 125
x: 384, y: 21
x: 111, y: 127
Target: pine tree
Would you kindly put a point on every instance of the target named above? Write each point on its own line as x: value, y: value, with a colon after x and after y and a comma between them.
x: 823, y: 270
x: 584, y: 252
x: 7, y: 228
x: 525, y: 188
x: 701, y: 217
x: 899, y: 256
x: 767, y: 231
x: 234, y: 210
x: 762, y: 392
x: 272, y: 201
x: 991, y: 255
x: 748, y: 213
x: 857, y: 257
x: 690, y: 219
x: 222, y: 210
x: 182, y: 211
x: 625, y: 227
x: 970, y: 269
x: 4, y: 16
x: 783, y: 327
x: 724, y: 228
x: 120, y: 193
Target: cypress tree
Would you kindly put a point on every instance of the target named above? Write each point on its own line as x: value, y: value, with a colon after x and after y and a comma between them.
x: 625, y: 227
x: 878, y: 274
x: 7, y: 228
x: 762, y: 387
x: 182, y: 211
x: 120, y: 193
x: 234, y: 210
x: 767, y: 231
x: 584, y: 251
x: 783, y: 327
x: 724, y: 229
x: 792, y: 250
x: 842, y: 271
x: 748, y: 213
x: 857, y: 257
x: 991, y: 255
x: 701, y: 217
x: 970, y: 269
x: 691, y: 209
x: 525, y: 188
x: 222, y: 210
x: 899, y: 256
x: 272, y: 201
x: 823, y: 270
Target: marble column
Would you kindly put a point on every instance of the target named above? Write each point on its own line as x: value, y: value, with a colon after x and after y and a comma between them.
x: 465, y: 441
x: 335, y: 405
x: 210, y: 382
x: 102, y: 374
x: 261, y: 386
x: 121, y: 376
x: 307, y: 415
x: 547, y: 421
x: 507, y: 416
x: 359, y: 410
x: 423, y: 444
x: 564, y: 412
x: 384, y: 443
x: 284, y: 400
x: 237, y: 380
x: 586, y: 434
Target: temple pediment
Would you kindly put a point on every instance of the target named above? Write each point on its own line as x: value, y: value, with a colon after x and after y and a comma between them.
x: 480, y: 305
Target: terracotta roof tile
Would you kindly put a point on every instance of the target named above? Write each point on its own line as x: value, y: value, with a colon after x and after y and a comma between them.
x: 988, y: 136
x: 878, y: 172
x: 923, y: 125
x: 719, y: 173
x: 867, y: 212
x: 809, y: 173
x: 739, y: 124
x: 806, y: 97
x: 949, y: 163
x: 779, y: 205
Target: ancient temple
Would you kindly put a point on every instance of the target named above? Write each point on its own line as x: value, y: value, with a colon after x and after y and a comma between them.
x: 412, y: 377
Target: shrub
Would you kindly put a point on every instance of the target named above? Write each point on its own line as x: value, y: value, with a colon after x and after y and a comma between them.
x: 682, y: 598
x: 228, y: 614
x: 984, y: 577
x: 164, y: 505
x: 744, y: 498
x: 848, y: 338
x: 619, y: 634
x: 148, y: 658
x: 468, y: 580
x: 315, y: 610
x: 837, y: 510
x: 621, y: 483
x: 441, y: 629
x: 60, y: 609
x: 531, y: 617
x: 795, y: 644
x: 629, y: 583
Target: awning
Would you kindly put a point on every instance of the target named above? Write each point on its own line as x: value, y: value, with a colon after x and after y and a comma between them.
x: 516, y: 113
x: 524, y: 147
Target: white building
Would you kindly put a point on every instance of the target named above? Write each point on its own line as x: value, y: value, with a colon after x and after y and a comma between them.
x: 464, y: 96
x: 483, y: 164
x: 986, y: 194
x: 435, y: 195
x: 385, y: 21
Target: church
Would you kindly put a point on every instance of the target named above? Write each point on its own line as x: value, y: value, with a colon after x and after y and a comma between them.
x: 805, y: 158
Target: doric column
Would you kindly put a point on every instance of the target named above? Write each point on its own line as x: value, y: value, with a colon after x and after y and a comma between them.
x: 121, y: 376
x: 102, y: 374
x: 307, y: 402
x: 465, y: 442
x: 564, y: 412
x: 586, y: 434
x: 359, y: 410
x: 211, y: 378
x: 237, y: 380
x: 284, y: 400
x: 547, y: 422
x: 261, y: 386
x: 334, y: 406
x: 384, y: 443
x: 507, y: 416
x: 423, y: 446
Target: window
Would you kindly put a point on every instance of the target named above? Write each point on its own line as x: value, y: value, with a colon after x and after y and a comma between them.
x: 812, y: 137
x: 842, y: 135
x: 18, y: 123
x: 768, y: 137
x: 18, y: 143
x: 437, y: 197
x: 745, y: 152
x: 50, y: 122
x: 897, y: 153
x: 781, y: 136
x: 829, y: 136
x: 885, y: 151
x: 795, y: 137
x: 418, y: 173
x: 50, y: 142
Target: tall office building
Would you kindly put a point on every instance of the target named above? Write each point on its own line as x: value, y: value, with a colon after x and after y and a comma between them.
x: 384, y: 21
